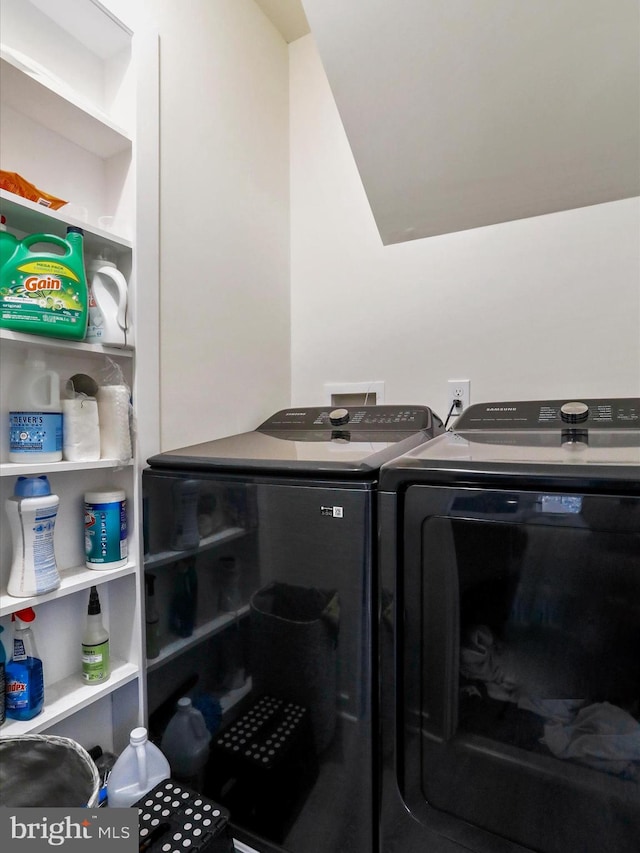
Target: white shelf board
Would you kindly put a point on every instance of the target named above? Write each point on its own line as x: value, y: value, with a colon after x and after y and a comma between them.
x: 72, y: 580
x: 60, y: 344
x: 178, y: 645
x: 14, y: 469
x: 165, y: 557
x: 30, y: 217
x: 92, y: 24
x: 66, y: 697
x: 43, y: 99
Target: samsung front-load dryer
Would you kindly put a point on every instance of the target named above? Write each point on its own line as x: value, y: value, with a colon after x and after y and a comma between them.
x: 510, y: 633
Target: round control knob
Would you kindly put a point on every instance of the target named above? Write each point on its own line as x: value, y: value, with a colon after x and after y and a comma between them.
x: 338, y: 417
x: 574, y: 413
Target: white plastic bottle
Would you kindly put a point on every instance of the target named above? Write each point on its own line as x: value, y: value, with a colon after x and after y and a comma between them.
x: 32, y: 512
x: 108, y: 300
x: 185, y: 743
x: 95, y: 644
x: 35, y: 418
x: 138, y: 769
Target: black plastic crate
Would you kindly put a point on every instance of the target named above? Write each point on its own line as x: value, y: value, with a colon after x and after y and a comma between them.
x: 263, y: 764
x: 174, y: 818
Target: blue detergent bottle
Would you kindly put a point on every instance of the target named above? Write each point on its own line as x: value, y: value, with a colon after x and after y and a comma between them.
x: 3, y: 664
x: 24, y: 673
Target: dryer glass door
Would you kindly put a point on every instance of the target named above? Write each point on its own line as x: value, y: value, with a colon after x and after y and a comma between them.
x: 521, y: 664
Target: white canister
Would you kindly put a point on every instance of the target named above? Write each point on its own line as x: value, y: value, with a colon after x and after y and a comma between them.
x: 105, y: 529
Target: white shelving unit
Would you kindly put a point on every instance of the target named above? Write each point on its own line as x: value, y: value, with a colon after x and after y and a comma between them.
x: 79, y: 100
x: 170, y: 648
x: 162, y: 558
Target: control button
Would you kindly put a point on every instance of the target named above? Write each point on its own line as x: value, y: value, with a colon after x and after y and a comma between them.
x: 339, y: 416
x: 574, y: 413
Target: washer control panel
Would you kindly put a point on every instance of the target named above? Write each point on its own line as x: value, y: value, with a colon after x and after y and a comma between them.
x: 363, y: 418
x: 615, y: 413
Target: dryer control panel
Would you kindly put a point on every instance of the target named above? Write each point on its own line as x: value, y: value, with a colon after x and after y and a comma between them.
x: 610, y: 414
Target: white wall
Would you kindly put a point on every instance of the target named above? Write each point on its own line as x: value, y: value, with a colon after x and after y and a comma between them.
x: 224, y: 195
x: 538, y: 308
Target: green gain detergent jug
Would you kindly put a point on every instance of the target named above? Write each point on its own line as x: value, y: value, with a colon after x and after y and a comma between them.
x: 45, y: 293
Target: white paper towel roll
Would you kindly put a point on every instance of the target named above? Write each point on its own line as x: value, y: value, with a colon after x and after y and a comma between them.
x: 113, y: 409
x: 81, y: 430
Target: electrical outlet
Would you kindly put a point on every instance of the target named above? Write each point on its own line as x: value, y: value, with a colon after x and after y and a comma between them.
x: 458, y: 389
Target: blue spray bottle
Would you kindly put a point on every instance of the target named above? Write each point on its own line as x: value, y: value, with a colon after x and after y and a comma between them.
x: 3, y: 663
x: 24, y: 673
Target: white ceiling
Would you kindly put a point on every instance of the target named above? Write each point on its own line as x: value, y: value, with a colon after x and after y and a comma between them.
x: 287, y: 16
x: 462, y: 113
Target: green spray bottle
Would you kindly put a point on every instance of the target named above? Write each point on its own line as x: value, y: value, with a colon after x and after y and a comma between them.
x: 44, y: 293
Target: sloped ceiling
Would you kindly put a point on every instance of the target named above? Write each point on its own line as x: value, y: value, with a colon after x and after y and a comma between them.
x: 287, y: 16
x: 462, y: 113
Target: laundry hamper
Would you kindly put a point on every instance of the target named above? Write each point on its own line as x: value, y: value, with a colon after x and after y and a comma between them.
x: 46, y: 771
x: 293, y: 651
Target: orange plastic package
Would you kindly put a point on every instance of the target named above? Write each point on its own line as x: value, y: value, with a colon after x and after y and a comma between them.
x: 15, y: 183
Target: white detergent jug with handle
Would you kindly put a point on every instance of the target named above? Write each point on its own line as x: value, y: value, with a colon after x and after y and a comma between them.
x: 138, y: 769
x: 35, y: 413
x: 108, y: 305
x: 185, y: 743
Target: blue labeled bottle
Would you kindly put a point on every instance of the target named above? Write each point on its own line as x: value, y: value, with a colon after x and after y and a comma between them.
x: 3, y: 680
x: 24, y: 673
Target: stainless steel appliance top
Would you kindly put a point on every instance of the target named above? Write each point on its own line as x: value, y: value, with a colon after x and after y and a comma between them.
x: 594, y: 438
x: 313, y: 440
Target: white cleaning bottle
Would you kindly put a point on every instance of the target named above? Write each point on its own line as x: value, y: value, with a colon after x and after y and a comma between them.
x: 32, y: 512
x: 35, y: 418
x: 138, y: 769
x: 95, y: 644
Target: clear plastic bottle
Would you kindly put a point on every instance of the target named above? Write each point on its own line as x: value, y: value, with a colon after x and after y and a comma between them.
x: 185, y: 743
x: 95, y: 644
x: 138, y: 769
x: 24, y: 672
